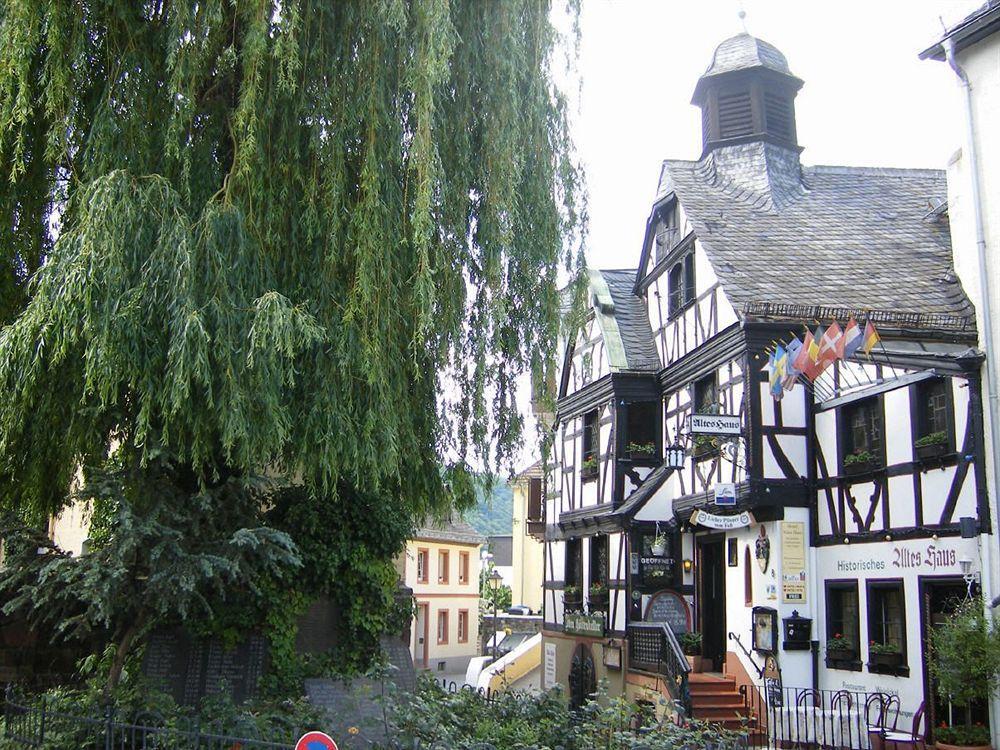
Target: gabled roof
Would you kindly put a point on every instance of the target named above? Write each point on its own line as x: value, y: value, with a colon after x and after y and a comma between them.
x: 845, y: 236
x: 456, y: 532
x: 624, y: 323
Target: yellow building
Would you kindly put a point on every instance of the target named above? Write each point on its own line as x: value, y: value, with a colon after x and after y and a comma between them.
x: 441, y: 565
x: 528, y: 534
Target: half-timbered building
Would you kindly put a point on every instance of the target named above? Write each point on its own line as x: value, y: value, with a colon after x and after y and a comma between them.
x: 683, y: 496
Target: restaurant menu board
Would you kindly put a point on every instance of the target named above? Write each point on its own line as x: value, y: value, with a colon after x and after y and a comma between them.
x: 669, y: 607
x: 793, y: 562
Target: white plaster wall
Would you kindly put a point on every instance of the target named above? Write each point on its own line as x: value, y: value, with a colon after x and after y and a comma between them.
x: 882, y: 560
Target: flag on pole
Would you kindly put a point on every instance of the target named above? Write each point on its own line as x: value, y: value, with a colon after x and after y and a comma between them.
x: 816, y: 352
x: 831, y: 347
x: 792, y: 373
x: 805, y: 362
x: 852, y: 337
x: 870, y: 338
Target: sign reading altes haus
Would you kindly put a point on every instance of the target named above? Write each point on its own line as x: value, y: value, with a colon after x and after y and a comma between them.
x: 714, y: 424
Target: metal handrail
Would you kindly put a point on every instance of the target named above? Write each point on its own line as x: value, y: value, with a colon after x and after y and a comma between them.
x: 734, y: 637
x: 670, y: 659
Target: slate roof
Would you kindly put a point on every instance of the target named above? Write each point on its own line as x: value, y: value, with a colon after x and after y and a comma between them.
x: 744, y: 51
x: 843, y: 236
x: 458, y: 532
x: 981, y: 23
x: 624, y: 322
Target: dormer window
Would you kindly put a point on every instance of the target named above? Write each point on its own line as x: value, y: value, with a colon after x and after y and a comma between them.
x: 666, y: 232
x: 680, y: 285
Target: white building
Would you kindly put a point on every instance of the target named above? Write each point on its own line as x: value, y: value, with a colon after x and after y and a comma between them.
x: 856, y: 502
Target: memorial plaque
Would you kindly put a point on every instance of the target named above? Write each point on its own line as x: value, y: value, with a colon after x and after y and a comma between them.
x: 670, y: 608
x: 317, y: 631
x: 189, y: 668
x: 166, y: 661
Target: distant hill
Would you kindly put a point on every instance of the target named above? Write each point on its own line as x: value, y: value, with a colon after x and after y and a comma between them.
x: 492, y: 514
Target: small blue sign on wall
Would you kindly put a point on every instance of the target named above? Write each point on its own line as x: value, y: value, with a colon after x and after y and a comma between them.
x: 725, y: 493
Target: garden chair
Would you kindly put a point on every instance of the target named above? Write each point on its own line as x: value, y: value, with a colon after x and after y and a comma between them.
x: 893, y: 739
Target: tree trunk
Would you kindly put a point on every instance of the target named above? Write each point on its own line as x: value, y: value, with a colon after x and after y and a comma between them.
x: 121, y: 652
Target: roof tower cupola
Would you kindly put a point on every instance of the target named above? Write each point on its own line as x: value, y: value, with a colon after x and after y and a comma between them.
x: 747, y: 95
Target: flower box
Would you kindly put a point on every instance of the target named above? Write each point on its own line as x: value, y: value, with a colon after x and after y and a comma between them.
x: 890, y: 659
x: 931, y: 451
x: 842, y: 654
x: 599, y: 602
x: 859, y: 467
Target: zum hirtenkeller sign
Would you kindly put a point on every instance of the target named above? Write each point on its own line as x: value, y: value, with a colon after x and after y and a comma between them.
x: 578, y: 623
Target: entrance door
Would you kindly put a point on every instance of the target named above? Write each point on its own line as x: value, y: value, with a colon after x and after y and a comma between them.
x: 938, y: 601
x: 420, y: 650
x: 712, y: 599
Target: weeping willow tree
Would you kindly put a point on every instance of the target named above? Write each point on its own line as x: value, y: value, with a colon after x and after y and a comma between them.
x: 319, y: 239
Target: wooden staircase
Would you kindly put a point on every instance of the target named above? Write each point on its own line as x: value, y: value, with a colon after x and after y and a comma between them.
x: 717, y: 699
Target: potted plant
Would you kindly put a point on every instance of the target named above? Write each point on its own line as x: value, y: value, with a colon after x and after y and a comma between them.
x: 572, y: 599
x: 840, y: 648
x: 640, y: 451
x: 598, y: 597
x: 589, y: 467
x: 659, y: 545
x: 691, y: 646
x: 884, y: 654
x: 858, y: 462
x: 965, y: 662
x: 705, y: 445
x: 934, y: 444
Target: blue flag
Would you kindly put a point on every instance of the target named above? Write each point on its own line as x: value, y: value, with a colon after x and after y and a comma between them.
x: 792, y: 350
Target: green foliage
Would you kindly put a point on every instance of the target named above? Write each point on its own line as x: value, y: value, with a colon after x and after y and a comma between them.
x: 501, y: 598
x: 965, y: 655
x: 283, y: 720
x: 874, y: 647
x: 934, y: 438
x: 492, y: 515
x: 860, y: 457
x: 464, y: 719
x: 168, y: 555
x: 974, y: 736
x: 691, y: 643
x: 641, y: 449
x: 839, y: 642
x: 269, y: 230
x: 261, y: 239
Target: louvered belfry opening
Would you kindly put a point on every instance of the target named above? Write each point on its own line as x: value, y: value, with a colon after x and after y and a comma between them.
x: 735, y: 114
x: 747, y: 94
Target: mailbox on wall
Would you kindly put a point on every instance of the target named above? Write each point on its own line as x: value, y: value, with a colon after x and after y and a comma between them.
x: 797, y: 632
x: 765, y: 630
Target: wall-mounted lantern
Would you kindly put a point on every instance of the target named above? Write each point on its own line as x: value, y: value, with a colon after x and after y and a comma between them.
x: 797, y: 632
x: 688, y: 565
x: 675, y: 456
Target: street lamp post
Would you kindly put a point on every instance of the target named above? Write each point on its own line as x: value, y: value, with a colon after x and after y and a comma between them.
x: 495, y: 579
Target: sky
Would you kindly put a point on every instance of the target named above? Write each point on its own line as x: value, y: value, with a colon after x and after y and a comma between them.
x: 867, y: 99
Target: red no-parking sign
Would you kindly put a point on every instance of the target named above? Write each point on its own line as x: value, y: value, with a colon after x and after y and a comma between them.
x: 315, y: 741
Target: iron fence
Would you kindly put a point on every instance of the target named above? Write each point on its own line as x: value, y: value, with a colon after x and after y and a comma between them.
x: 790, y: 717
x: 40, y: 723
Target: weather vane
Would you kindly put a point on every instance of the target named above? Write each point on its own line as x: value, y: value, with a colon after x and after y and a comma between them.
x: 742, y: 14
